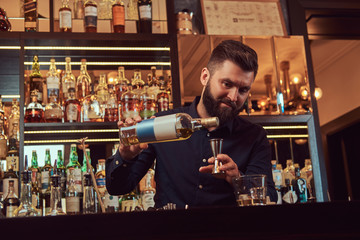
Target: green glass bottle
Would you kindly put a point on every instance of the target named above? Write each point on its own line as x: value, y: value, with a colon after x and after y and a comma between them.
x: 74, y: 163
x: 84, y: 167
x: 46, y: 171
x: 35, y: 182
x: 61, y: 171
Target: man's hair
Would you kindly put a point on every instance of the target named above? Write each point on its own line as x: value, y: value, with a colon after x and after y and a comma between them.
x: 236, y: 52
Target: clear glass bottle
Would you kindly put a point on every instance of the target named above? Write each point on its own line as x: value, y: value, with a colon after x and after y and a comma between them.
x: 36, y: 80
x: 90, y: 16
x: 3, y: 137
x: 5, y: 25
x: 26, y: 208
x: 147, y: 103
x: 74, y: 163
x: 145, y: 16
x: 288, y: 194
x: 289, y: 171
x: 118, y: 16
x: 72, y: 194
x: 53, y: 81
x: 53, y: 111
x: 112, y: 107
x: 121, y: 83
x: 11, y: 201
x: 174, y: 127
x: 31, y: 16
x: 102, y: 90
x: 14, y: 117
x: 65, y: 18
x: 153, y: 82
x: 34, y: 112
x: 163, y: 98
x: 89, y: 195
x: 35, y: 190
x: 72, y: 108
x: 55, y: 198
x: 130, y: 104
x: 147, y: 192
x: 91, y: 110
x: 83, y: 83
x: 137, y: 83
x: 68, y: 79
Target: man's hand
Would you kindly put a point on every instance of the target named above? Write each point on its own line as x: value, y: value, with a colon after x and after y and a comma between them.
x: 228, y: 165
x: 130, y: 152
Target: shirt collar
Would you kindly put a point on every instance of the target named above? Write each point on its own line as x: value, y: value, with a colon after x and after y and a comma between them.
x: 228, y: 126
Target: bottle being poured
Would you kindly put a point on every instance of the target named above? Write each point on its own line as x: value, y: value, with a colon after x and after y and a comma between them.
x: 174, y: 127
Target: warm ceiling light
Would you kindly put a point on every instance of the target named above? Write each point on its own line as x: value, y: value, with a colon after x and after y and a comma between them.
x: 296, y: 78
x: 318, y: 93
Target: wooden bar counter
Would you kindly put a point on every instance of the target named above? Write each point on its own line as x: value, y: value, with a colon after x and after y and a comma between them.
x: 332, y: 220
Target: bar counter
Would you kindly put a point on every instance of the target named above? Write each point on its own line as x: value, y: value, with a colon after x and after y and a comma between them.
x: 331, y: 220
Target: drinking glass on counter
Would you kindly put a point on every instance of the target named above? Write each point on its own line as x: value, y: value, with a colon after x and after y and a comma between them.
x: 250, y: 190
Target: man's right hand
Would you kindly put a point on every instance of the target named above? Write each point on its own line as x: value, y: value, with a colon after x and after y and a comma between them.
x: 130, y: 152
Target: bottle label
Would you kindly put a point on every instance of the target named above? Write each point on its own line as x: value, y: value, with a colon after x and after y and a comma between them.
x: 111, y: 201
x: 100, y: 182
x: 53, y: 86
x: 10, y: 210
x: 73, y: 204
x: 128, y: 205
x: 157, y: 129
x: 145, y: 12
x: 78, y: 180
x: 65, y: 19
x: 3, y: 148
x: 45, y: 180
x: 14, y: 161
x: 147, y: 200
x: 72, y: 112
x: 163, y: 104
x: 90, y: 18
x: 290, y: 197
x: 54, y: 113
x: 118, y: 15
x: 277, y: 176
x: 6, y: 186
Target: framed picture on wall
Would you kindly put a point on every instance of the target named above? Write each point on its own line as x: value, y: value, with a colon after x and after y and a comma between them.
x: 249, y: 17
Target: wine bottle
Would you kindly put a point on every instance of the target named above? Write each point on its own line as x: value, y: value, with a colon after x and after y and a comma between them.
x: 145, y: 16
x: 118, y: 16
x: 65, y: 17
x: 174, y: 127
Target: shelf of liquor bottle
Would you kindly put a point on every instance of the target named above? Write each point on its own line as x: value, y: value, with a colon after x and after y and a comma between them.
x: 335, y: 220
x: 57, y: 133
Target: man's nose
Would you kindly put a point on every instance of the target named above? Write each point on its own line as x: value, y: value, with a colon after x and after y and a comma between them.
x: 233, y: 94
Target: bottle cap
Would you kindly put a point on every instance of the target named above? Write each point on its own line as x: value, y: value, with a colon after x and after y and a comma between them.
x: 210, y: 122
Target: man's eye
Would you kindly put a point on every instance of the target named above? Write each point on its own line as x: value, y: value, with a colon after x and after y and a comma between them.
x: 243, y: 90
x: 227, y: 84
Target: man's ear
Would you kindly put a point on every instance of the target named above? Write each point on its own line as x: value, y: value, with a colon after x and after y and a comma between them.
x: 205, y: 76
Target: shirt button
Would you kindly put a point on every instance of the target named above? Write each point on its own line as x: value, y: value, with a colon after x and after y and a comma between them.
x: 208, y: 134
x: 200, y: 186
x: 117, y: 162
x: 204, y: 160
x: 124, y: 165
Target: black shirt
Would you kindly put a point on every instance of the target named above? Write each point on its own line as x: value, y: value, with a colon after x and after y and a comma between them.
x: 177, y: 175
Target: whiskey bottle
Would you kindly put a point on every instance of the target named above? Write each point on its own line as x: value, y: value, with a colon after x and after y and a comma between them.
x: 26, y: 209
x: 53, y: 111
x: 34, y: 111
x: 111, y: 107
x: 72, y: 194
x: 14, y: 118
x: 300, y: 186
x: 31, y: 16
x: 65, y: 18
x: 46, y: 172
x: 147, y: 193
x: 53, y: 81
x: 12, y: 158
x: 100, y: 177
x: 10, y: 175
x: 83, y: 82
x: 174, y: 127
x: 145, y: 16
x: 91, y: 110
x: 89, y: 195
x: 163, y: 98
x: 102, y: 91
x: 55, y: 198
x: 289, y: 171
x: 3, y: 137
x: 153, y: 82
x: 90, y: 16
x: 118, y: 16
x: 68, y: 80
x: 11, y: 201
x: 121, y: 83
x: 130, y: 104
x: 72, y: 107
x: 137, y: 83
x: 147, y: 103
x: 5, y: 25
x: 77, y: 174
x: 36, y: 79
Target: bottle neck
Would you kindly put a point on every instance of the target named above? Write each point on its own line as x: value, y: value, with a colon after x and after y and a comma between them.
x: 47, y: 159
x: 68, y: 68
x: 34, y: 162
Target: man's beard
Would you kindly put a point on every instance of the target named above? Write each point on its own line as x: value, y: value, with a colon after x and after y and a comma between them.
x: 213, y: 108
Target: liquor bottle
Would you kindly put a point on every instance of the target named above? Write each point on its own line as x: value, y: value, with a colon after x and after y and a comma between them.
x: 300, y: 186
x: 168, y: 90
x: 89, y: 195
x: 72, y: 107
x: 26, y: 209
x: 72, y: 194
x: 277, y: 173
x: 11, y: 201
x: 153, y: 82
x: 65, y: 18
x: 31, y: 16
x: 147, y: 103
x: 79, y: 9
x: 12, y: 158
x: 74, y: 163
x: 3, y: 137
x: 104, y: 9
x: 68, y: 80
x: 121, y: 83
x: 111, y: 202
x: 102, y: 91
x: 83, y: 82
x: 130, y: 104
x: 61, y: 170
x: 14, y: 117
x: 307, y: 173
x: 91, y: 110
x: 145, y: 16
x: 129, y: 202
x: 84, y: 168
x: 90, y: 16
x: 55, y: 198
x: 137, y: 83
x: 53, y: 111
x: 53, y: 81
x: 10, y: 175
x: 118, y: 16
x: 174, y: 127
x: 289, y: 171
x: 5, y: 25
x: 35, y: 191
x: 147, y: 192
x: 46, y: 171
x: 34, y: 111
x: 163, y: 98
x: 36, y: 80
x: 111, y: 107
x: 288, y: 194
x: 100, y: 177
x: 34, y: 168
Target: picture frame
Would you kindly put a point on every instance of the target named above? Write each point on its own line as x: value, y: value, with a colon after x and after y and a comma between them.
x: 246, y: 18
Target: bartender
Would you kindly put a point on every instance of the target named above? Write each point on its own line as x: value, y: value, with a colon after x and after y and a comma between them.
x: 183, y: 168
